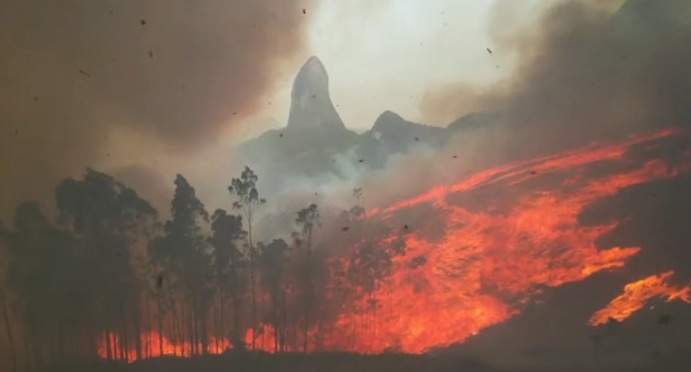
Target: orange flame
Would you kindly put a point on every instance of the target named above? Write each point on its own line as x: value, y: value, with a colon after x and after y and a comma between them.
x: 264, y: 338
x: 490, y: 261
x: 152, y: 347
x: 485, y: 261
x: 636, y: 295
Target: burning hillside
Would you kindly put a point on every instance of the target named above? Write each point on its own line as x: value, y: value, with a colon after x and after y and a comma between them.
x: 536, y: 219
x: 507, y: 232
x: 475, y: 254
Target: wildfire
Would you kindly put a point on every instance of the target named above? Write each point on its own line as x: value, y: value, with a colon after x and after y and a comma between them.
x: 480, y: 249
x: 265, y: 338
x: 636, y: 295
x: 491, y: 259
x: 154, y: 345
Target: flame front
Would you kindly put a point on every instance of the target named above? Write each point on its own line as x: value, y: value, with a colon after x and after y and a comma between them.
x: 155, y: 345
x: 636, y: 295
x: 477, y: 251
x: 493, y: 258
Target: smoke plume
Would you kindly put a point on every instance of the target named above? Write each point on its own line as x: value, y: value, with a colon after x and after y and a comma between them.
x: 164, y: 76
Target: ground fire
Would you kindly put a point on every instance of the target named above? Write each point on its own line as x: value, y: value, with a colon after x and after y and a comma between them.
x: 479, y: 250
x: 636, y: 295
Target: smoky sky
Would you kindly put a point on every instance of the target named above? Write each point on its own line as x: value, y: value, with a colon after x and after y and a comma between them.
x: 77, y: 75
x: 585, y: 73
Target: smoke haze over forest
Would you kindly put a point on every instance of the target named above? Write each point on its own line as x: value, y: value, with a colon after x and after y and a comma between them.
x: 500, y: 183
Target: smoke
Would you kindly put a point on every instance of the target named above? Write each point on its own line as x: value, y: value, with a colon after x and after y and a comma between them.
x: 585, y: 73
x: 83, y: 81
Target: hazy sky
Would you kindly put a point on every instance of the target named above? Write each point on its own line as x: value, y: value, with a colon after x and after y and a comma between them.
x: 145, y: 90
x: 385, y: 56
x: 388, y: 55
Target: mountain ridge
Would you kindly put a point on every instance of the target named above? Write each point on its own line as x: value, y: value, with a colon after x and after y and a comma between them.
x: 315, y: 136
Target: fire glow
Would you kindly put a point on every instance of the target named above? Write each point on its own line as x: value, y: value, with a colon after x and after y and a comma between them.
x: 487, y: 263
x: 636, y: 295
x: 156, y: 345
x: 487, y: 259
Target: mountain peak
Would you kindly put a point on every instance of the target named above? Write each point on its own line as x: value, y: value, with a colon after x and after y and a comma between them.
x: 311, y: 105
x: 314, y: 62
x: 388, y: 116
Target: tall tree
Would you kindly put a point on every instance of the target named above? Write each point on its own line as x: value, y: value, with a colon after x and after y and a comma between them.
x: 272, y: 261
x: 226, y: 231
x: 184, y: 257
x: 244, y: 189
x: 44, y: 274
x: 108, y: 219
x: 307, y: 219
x: 4, y: 295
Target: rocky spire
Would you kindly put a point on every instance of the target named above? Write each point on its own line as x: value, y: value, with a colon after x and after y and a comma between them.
x: 311, y: 105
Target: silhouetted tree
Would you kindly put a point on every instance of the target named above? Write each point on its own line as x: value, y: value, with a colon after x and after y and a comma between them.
x: 108, y: 219
x: 247, y: 197
x: 272, y: 262
x: 226, y: 231
x: 183, y: 254
x: 4, y: 295
x: 307, y: 219
x: 44, y: 272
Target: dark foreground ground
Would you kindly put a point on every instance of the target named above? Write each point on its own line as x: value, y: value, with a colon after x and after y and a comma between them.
x: 341, y: 362
x: 260, y: 362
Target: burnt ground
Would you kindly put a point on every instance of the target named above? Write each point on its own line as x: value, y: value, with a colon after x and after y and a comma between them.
x: 344, y: 362
x: 261, y: 362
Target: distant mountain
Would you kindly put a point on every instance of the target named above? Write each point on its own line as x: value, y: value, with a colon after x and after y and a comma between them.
x: 315, y: 136
x: 391, y: 134
x: 310, y: 102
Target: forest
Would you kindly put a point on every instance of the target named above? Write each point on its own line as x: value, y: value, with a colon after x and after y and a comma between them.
x: 108, y: 279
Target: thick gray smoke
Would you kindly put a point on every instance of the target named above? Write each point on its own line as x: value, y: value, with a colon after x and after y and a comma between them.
x: 164, y: 76
x: 585, y: 73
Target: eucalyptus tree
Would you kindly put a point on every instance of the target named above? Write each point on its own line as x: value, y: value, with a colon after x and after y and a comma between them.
x: 108, y: 219
x: 244, y: 190
x: 306, y: 221
x: 184, y: 257
x: 273, y: 259
x: 226, y: 233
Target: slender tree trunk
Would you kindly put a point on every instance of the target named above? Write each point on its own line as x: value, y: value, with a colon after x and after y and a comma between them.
x: 109, y: 348
x: 284, y: 321
x: 274, y: 315
x: 304, y: 345
x: 160, y: 326
x: 308, y: 288
x: 192, y: 328
x: 8, y: 327
x: 176, y: 329
x: 137, y: 331
x: 203, y: 329
x: 236, y: 333
x: 124, y: 336
x: 221, y: 315
x: 252, y: 285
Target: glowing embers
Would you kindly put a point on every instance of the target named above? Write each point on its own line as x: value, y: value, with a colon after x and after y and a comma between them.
x: 264, y: 340
x: 637, y: 294
x: 111, y: 347
x: 153, y: 345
